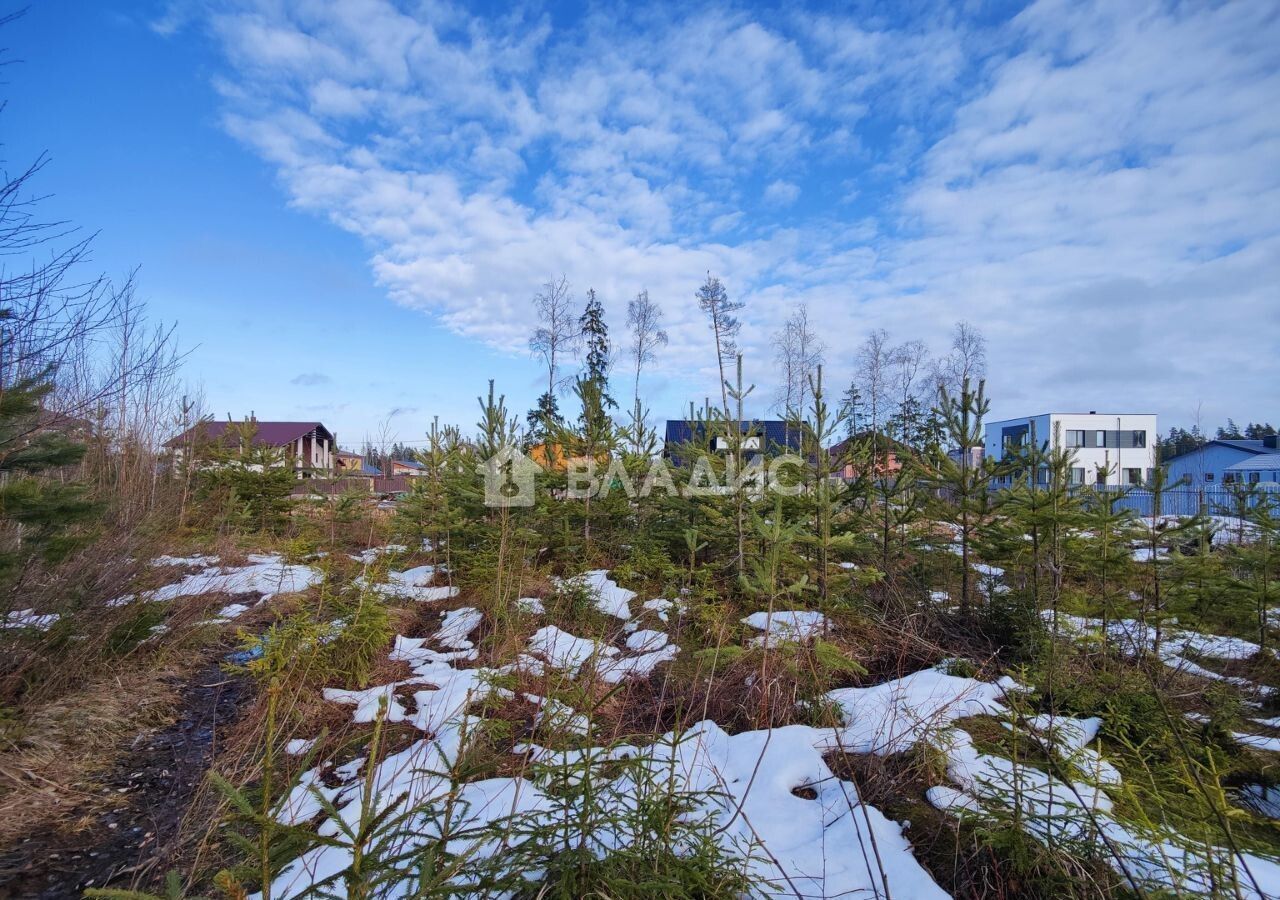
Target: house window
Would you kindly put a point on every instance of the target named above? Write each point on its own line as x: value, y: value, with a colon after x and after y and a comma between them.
x: 1075, y: 438
x: 1101, y: 477
x: 1255, y: 477
x: 1208, y: 476
x: 1139, y: 439
x: 1077, y: 475
x: 1228, y: 477
x: 1099, y: 439
x: 1013, y: 437
x: 1133, y: 476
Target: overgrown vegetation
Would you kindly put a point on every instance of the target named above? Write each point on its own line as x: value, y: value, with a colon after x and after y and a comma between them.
x: 886, y: 554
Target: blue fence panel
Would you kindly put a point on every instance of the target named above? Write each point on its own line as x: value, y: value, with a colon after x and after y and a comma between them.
x: 1180, y: 501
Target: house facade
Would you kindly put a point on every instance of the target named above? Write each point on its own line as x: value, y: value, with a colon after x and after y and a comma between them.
x: 766, y: 438
x: 1221, y: 462
x: 1109, y: 448
x: 410, y: 468
x: 887, y: 462
x: 355, y: 464
x: 307, y: 447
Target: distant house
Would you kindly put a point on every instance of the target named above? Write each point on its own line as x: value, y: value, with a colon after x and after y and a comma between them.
x: 307, y: 447
x: 975, y: 456
x: 761, y: 437
x: 1227, y: 462
x: 557, y: 458
x: 410, y: 467
x: 1264, y: 469
x: 1109, y: 448
x: 889, y: 455
x: 355, y: 464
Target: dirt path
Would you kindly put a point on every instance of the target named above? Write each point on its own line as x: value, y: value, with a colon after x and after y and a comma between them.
x: 130, y: 843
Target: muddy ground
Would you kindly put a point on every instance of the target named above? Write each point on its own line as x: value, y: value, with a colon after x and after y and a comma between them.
x: 132, y: 843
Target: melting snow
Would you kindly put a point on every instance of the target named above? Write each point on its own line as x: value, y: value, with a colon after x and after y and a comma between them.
x: 790, y: 625
x: 457, y: 625
x: 299, y: 746
x: 203, y: 561
x: 744, y: 782
x: 1262, y: 799
x: 1073, y: 814
x: 368, y: 557
x: 610, y: 599
x: 1134, y: 637
x: 411, y: 584
x: 663, y: 608
x: 29, y: 618
x: 266, y: 575
x: 894, y: 716
x: 531, y: 605
x: 564, y: 651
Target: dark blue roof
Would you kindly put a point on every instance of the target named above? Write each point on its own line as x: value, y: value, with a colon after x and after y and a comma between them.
x: 777, y: 433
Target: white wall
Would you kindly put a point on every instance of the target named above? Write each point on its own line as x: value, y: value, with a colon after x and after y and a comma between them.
x: 1119, y: 459
x: 1053, y: 427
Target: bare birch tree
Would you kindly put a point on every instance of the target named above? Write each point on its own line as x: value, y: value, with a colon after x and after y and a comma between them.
x: 644, y: 318
x: 966, y: 359
x: 909, y: 361
x: 557, y: 334
x: 873, y: 361
x: 798, y: 352
x: 555, y: 337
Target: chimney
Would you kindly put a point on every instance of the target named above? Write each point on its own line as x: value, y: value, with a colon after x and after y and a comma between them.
x: 1093, y: 412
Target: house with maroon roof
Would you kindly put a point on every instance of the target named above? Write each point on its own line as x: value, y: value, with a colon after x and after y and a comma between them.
x: 307, y: 447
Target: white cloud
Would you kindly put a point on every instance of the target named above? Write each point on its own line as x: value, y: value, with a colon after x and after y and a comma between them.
x: 1093, y: 185
x: 781, y: 193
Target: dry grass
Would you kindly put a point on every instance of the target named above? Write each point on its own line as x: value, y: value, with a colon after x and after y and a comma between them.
x: 49, y: 765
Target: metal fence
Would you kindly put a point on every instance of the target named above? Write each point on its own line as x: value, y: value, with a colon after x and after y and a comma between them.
x: 1180, y: 501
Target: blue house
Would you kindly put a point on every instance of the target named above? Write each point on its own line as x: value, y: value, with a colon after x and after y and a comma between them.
x: 1265, y: 467
x: 1227, y: 462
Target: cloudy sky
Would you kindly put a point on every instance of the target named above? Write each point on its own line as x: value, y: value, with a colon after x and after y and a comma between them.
x: 347, y: 206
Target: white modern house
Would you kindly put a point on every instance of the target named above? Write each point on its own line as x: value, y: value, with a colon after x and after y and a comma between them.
x: 1109, y: 448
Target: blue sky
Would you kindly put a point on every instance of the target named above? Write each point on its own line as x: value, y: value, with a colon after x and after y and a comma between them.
x: 346, y: 207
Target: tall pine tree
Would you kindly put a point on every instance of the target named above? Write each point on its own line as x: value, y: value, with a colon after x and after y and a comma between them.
x: 595, y: 336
